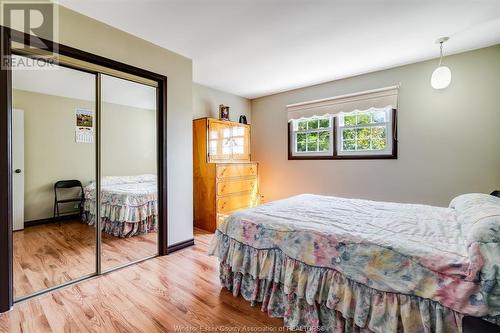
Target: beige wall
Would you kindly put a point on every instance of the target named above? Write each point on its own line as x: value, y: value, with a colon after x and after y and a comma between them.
x: 51, y: 153
x: 448, y: 140
x: 206, y: 103
x: 86, y: 34
x: 128, y: 137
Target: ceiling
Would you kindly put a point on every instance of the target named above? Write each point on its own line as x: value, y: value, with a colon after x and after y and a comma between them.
x: 254, y: 48
x: 70, y: 83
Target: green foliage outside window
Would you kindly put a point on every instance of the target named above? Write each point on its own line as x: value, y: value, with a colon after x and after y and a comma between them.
x: 363, y: 135
x: 302, y: 125
x: 315, y: 136
x: 324, y: 141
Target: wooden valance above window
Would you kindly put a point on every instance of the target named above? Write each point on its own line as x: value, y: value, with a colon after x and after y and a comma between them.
x: 378, y: 98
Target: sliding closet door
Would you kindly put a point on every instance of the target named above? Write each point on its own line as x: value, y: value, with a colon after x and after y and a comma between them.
x: 128, y: 165
x: 54, y: 151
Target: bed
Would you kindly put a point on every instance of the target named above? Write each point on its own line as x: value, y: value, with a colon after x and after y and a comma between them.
x: 348, y: 265
x: 129, y: 205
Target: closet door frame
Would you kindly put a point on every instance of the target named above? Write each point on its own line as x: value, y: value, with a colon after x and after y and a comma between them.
x: 6, y: 251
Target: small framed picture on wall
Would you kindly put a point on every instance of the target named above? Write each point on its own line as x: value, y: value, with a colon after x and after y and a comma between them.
x: 223, y: 112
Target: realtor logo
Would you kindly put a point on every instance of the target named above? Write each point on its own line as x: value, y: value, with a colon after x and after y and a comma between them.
x: 38, y: 21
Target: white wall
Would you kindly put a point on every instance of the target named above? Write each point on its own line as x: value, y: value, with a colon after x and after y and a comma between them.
x: 89, y: 35
x: 206, y: 103
x: 128, y: 140
x: 449, y: 140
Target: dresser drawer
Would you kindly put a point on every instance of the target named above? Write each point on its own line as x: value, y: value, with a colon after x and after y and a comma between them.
x: 227, y: 186
x: 235, y: 202
x: 236, y: 170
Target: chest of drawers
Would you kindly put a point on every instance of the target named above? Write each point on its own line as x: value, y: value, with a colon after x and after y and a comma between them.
x: 222, y: 184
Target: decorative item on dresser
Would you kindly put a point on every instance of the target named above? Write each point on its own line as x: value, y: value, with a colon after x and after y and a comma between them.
x: 225, y: 178
x: 223, y: 112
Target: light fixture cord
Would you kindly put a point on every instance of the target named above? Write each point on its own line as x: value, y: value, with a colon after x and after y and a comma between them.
x: 440, y: 53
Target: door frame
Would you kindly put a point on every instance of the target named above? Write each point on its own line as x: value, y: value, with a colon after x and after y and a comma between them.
x: 6, y: 252
x: 17, y: 114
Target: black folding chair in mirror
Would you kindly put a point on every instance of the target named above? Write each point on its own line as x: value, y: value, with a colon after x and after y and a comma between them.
x: 67, y: 184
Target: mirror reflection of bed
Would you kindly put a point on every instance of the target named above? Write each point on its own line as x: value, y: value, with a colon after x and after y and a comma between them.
x: 55, y: 141
x: 128, y: 217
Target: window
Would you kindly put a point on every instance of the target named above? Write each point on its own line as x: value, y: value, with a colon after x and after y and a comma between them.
x: 359, y: 125
x: 367, y: 134
x: 312, y: 137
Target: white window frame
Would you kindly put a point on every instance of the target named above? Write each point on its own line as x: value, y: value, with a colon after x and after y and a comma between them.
x: 388, y: 124
x: 295, y: 130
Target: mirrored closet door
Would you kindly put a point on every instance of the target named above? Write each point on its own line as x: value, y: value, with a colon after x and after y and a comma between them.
x: 54, y: 159
x: 129, y: 187
x: 85, y: 172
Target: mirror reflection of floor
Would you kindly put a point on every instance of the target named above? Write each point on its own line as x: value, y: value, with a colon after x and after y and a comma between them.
x: 47, y: 255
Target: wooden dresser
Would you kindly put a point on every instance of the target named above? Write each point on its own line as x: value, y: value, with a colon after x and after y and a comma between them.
x: 225, y: 178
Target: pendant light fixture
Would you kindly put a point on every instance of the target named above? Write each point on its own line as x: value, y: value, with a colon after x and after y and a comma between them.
x: 441, y: 77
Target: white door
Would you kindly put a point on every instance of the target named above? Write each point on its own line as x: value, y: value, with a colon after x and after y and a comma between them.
x: 18, y: 169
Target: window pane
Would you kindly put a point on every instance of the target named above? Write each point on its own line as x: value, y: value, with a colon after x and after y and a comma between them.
x: 302, y: 125
x: 378, y: 117
x: 378, y: 132
x: 363, y: 133
x: 238, y: 146
x: 348, y: 134
x: 363, y: 144
x: 226, y: 148
x: 213, y: 147
x: 312, y: 146
x: 301, y: 142
x: 350, y: 120
x: 349, y: 145
x: 324, y: 123
x: 324, y: 141
x: 312, y: 124
x: 363, y: 118
x: 312, y: 142
x: 378, y: 144
x: 227, y: 144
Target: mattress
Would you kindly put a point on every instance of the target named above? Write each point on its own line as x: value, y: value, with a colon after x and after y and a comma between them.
x: 449, y: 256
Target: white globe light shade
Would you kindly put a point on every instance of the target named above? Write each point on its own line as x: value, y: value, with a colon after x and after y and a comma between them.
x: 441, y: 77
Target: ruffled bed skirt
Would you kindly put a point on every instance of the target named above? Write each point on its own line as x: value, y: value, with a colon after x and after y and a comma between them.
x: 123, y: 212
x: 125, y: 229
x: 321, y: 299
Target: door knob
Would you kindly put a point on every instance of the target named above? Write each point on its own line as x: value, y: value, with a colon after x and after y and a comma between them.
x: 17, y: 171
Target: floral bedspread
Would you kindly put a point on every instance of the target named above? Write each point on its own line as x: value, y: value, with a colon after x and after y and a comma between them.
x: 127, y: 199
x: 431, y: 253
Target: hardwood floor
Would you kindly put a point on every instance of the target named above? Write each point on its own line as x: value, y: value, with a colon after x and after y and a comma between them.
x: 163, y: 294
x: 50, y: 254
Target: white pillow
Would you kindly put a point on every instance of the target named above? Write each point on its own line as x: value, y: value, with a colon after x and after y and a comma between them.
x: 479, y: 215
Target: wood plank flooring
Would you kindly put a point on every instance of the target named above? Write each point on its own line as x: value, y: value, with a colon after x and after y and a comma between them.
x: 164, y: 294
x: 50, y: 254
